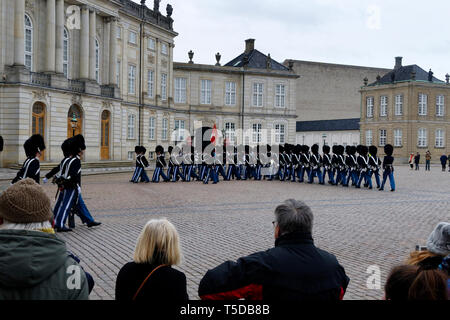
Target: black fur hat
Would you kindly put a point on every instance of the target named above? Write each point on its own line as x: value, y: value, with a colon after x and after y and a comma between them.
x: 79, y: 141
x: 388, y: 149
x: 315, y: 148
x: 359, y: 148
x: 373, y: 150
x: 348, y: 149
x: 136, y: 149
x: 353, y: 150
x: 326, y: 149
x: 334, y: 148
x: 65, y: 147
x: 281, y: 148
x: 170, y: 149
x: 33, y: 145
x: 159, y: 149
x: 143, y: 150
x: 364, y: 150
x: 297, y: 149
x: 305, y: 148
x: 340, y: 150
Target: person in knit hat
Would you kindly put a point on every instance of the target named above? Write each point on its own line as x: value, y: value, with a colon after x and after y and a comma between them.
x: 34, y: 263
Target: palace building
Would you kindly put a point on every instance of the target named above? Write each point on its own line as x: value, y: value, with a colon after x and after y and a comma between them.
x: 407, y: 107
x: 105, y: 69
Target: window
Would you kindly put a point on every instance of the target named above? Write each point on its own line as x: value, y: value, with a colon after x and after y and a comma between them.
x: 369, y: 107
x: 119, y: 32
x: 132, y: 37
x: 163, y: 86
x: 97, y: 61
x: 369, y: 138
x: 205, y: 96
x: 28, y: 43
x: 180, y: 90
x: 399, y: 105
x: 383, y: 106
x: 130, y: 155
x: 383, y: 137
x: 280, y: 133
x: 256, y: 136
x: 398, y: 137
x: 422, y: 139
x: 439, y: 143
x: 230, y: 132
x: 152, y: 128
x: 150, y: 83
x: 280, y: 96
x: 164, y: 48
x: 258, y: 94
x: 131, y: 126
x: 165, y: 128
x: 66, y: 53
x: 230, y: 93
x: 423, y: 104
x: 440, y: 105
x: 179, y: 129
x: 151, y: 44
x: 131, y: 79
x: 118, y: 73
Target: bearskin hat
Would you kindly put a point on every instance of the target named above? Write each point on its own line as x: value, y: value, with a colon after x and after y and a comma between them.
x: 334, y: 149
x: 79, y: 140
x: 159, y: 149
x: 143, y: 150
x: 281, y: 148
x: 364, y: 150
x: 170, y: 149
x: 359, y: 148
x: 326, y: 149
x: 136, y: 149
x: 388, y: 149
x: 353, y: 150
x: 33, y: 145
x: 348, y: 149
x: 65, y: 147
x: 315, y: 148
x: 305, y: 148
x: 373, y: 150
x: 297, y: 149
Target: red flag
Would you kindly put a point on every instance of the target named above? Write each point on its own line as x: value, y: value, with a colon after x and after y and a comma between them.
x: 214, y: 135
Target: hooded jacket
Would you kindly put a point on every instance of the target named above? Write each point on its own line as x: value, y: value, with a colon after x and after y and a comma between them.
x: 35, y: 266
x: 293, y: 270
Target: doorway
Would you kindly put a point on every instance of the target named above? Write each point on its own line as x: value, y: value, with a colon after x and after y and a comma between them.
x: 38, y: 123
x: 105, y: 131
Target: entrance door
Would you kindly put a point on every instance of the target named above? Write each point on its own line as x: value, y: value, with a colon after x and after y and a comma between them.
x: 38, y: 125
x: 105, y: 141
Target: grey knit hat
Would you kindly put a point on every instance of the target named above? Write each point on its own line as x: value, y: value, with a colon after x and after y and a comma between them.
x: 439, y: 240
x: 25, y: 202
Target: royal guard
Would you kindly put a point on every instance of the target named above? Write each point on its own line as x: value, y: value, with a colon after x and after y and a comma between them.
x: 374, y: 165
x: 160, y: 165
x: 388, y: 167
x: 327, y: 164
x: 315, y: 163
x: 31, y: 167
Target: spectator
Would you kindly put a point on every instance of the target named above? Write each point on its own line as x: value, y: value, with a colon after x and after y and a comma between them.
x: 444, y: 162
x: 411, y: 160
x: 294, y: 269
x: 150, y: 277
x: 409, y: 282
x: 417, y: 160
x: 427, y: 160
x: 34, y: 263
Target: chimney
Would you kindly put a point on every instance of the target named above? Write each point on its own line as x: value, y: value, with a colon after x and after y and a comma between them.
x: 249, y: 45
x: 398, y: 63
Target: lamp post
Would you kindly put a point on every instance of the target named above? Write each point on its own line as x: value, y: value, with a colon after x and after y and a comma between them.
x: 74, y: 122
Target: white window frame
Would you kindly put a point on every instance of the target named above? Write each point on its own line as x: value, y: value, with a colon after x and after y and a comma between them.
x: 151, y: 45
x: 369, y: 137
x: 383, y: 106
x: 369, y: 106
x: 150, y: 84
x: 422, y: 138
x: 205, y: 91
x: 179, y: 126
x: 230, y: 132
x: 423, y: 104
x: 180, y: 90
x: 398, y: 137
x: 258, y: 94
x: 132, y: 37
x: 163, y: 86
x: 280, y: 95
x: 230, y: 93
x: 131, y: 79
x: 440, y: 105
x: 382, y: 141
x: 97, y: 61
x: 439, y: 138
x: 131, y: 126
x: 398, y: 105
x: 164, y: 129
x: 280, y: 133
x: 28, y: 53
x: 164, y: 50
x: 152, y: 128
x: 66, y: 44
x: 256, y: 132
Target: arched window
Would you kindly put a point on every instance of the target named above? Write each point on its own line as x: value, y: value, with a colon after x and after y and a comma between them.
x: 66, y: 53
x: 28, y: 43
x: 97, y: 61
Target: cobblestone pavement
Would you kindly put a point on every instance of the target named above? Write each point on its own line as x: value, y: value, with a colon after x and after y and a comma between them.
x: 225, y: 221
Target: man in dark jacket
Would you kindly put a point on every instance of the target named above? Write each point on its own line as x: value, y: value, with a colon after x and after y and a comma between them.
x: 444, y: 162
x: 294, y: 269
x: 417, y: 160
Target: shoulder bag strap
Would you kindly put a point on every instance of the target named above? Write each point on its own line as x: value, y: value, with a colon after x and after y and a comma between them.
x: 145, y: 281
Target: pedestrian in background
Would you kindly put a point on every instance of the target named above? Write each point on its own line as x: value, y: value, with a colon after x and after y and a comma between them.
x: 417, y: 160
x: 444, y: 162
x: 411, y: 160
x: 427, y: 160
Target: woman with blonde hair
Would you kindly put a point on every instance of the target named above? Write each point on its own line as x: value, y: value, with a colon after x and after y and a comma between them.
x: 151, y: 276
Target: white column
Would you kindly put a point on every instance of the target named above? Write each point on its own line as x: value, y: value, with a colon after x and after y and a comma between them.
x: 51, y: 35
x: 59, y: 35
x: 106, y: 48
x: 84, y: 44
x: 19, y: 33
x: 113, y: 53
x: 92, y: 34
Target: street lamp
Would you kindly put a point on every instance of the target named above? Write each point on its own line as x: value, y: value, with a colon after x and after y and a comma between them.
x: 74, y: 122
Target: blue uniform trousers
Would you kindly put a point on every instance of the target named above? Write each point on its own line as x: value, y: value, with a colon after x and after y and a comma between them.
x: 159, y: 172
x: 313, y: 173
x: 387, y: 174
x: 330, y: 175
x: 377, y: 177
x: 210, y: 174
x: 64, y: 204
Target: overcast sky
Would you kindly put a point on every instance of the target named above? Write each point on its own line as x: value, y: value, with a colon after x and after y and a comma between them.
x: 355, y: 32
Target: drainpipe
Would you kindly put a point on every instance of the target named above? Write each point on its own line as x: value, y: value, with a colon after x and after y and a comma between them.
x: 141, y: 71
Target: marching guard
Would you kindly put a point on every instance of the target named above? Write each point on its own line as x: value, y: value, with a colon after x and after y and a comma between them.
x: 31, y: 168
x: 374, y: 165
x: 388, y: 167
x: 160, y: 165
